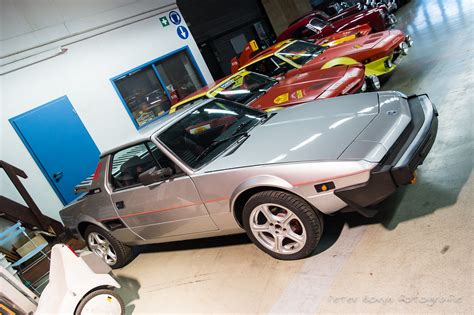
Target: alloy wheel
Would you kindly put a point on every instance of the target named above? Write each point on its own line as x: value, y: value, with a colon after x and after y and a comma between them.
x: 102, y: 248
x: 277, y: 228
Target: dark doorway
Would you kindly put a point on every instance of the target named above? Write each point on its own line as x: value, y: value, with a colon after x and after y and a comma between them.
x: 223, y: 28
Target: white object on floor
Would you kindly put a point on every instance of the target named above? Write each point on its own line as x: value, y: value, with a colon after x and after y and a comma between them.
x: 71, y: 278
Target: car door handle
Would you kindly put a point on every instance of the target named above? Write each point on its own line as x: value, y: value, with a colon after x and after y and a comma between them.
x: 57, y: 176
x: 120, y: 204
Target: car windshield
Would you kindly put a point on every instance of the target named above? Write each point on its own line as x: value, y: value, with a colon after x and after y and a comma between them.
x: 301, y: 52
x: 184, y: 105
x: 271, y: 66
x: 243, y: 88
x: 316, y: 25
x: 204, y: 133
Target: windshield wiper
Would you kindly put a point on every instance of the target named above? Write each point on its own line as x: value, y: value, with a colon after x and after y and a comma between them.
x: 265, y: 117
x: 215, y: 143
x: 242, y: 126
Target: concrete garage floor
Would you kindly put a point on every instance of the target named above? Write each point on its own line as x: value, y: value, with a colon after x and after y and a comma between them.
x: 414, y: 258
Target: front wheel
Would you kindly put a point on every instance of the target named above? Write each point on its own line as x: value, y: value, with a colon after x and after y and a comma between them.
x: 283, y: 225
x: 102, y: 301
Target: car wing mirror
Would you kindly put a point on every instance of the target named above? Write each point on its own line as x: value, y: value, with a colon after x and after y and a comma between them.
x: 154, y: 175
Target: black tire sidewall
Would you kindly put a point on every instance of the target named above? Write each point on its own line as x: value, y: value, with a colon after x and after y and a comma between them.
x: 123, y: 252
x: 311, y: 219
x: 93, y: 294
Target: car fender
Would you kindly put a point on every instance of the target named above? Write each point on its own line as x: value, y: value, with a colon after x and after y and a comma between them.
x: 260, y: 181
x: 83, y: 218
x: 339, y: 62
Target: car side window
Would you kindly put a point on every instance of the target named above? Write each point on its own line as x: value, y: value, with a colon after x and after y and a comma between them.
x: 129, y: 163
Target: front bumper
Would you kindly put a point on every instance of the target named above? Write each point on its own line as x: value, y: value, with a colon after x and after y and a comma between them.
x: 398, y: 166
x: 379, y: 67
x: 393, y: 58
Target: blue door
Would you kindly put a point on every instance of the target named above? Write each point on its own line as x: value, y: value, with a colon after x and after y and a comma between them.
x: 59, y: 143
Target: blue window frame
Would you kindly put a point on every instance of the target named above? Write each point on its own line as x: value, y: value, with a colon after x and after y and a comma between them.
x: 149, y: 90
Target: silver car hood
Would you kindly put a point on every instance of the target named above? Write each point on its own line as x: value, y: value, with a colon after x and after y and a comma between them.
x: 318, y: 130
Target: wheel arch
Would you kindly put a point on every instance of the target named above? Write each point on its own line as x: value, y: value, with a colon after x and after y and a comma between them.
x: 86, y: 221
x: 255, y: 185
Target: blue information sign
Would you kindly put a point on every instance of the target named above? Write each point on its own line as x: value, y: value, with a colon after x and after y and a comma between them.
x: 175, y: 18
x: 183, y: 32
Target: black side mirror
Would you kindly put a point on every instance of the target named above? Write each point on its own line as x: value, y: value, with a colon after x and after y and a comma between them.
x: 154, y: 175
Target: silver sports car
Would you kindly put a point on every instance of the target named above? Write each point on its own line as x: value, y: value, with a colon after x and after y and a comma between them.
x: 217, y: 168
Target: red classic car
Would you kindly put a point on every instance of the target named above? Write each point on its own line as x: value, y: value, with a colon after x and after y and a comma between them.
x: 380, y: 53
x: 317, y: 24
x: 250, y: 52
x: 265, y: 93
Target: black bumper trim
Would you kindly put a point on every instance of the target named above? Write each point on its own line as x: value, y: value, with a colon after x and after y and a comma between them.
x: 386, y: 177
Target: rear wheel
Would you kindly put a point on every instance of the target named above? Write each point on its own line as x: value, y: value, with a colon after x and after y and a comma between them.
x: 283, y: 225
x: 102, y: 301
x: 113, y: 252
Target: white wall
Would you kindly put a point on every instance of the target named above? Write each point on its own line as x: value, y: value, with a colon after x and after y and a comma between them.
x: 83, y: 74
x: 26, y: 23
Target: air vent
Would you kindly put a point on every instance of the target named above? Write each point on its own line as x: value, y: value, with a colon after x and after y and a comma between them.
x: 113, y: 225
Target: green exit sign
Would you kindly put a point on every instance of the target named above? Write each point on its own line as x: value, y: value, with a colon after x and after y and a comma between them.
x: 164, y: 21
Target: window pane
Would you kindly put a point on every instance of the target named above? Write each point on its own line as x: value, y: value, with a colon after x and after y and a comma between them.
x: 243, y: 88
x: 301, y: 52
x: 143, y: 95
x: 270, y: 66
x: 129, y: 163
x: 179, y: 75
x: 317, y: 24
x: 200, y: 136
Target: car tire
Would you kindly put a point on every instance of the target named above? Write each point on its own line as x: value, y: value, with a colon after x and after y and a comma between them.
x: 94, y: 303
x: 283, y: 225
x: 100, y: 241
